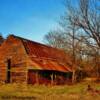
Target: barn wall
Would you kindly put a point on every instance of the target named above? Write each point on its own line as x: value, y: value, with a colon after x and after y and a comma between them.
x: 13, y: 49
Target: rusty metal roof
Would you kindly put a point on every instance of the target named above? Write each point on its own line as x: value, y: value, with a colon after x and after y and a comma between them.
x: 45, y: 64
x: 45, y: 57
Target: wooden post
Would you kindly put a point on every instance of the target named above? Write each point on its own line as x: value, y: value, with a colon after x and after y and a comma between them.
x: 55, y: 78
x: 27, y: 70
x: 52, y: 79
x: 73, y: 76
x: 37, y: 78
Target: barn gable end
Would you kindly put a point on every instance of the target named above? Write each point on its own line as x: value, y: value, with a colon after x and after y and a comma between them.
x: 13, y: 49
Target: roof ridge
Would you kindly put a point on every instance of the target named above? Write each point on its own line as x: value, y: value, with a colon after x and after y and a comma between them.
x: 36, y: 42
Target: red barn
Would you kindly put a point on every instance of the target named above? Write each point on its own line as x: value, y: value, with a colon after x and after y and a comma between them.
x: 23, y: 60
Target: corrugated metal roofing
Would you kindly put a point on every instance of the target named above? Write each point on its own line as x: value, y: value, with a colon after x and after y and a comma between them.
x: 44, y: 57
x: 40, y: 50
x: 49, y: 65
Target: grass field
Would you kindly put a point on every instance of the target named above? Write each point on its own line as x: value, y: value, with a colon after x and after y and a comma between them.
x: 41, y: 92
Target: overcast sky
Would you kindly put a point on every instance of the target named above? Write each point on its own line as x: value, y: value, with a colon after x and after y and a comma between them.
x: 30, y: 19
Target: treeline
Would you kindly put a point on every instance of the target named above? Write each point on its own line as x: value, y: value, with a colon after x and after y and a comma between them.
x: 1, y: 39
x: 79, y: 36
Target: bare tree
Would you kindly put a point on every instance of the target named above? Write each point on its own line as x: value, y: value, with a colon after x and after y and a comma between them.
x: 86, y: 16
x: 58, y: 39
x: 80, y: 34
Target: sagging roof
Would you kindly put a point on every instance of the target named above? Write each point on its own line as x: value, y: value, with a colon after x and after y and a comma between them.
x: 44, y: 57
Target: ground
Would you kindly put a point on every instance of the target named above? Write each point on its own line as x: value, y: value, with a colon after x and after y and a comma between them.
x: 40, y: 92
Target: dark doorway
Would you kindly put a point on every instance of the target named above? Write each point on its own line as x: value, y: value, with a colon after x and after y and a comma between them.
x: 8, y: 70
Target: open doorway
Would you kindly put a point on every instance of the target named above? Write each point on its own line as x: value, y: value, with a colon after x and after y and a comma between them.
x: 8, y: 70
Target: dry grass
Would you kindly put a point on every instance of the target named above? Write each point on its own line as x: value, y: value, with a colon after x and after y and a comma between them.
x: 41, y: 92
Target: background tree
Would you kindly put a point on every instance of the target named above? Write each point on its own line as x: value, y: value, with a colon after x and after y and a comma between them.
x: 86, y: 17
x: 1, y: 39
x: 79, y: 34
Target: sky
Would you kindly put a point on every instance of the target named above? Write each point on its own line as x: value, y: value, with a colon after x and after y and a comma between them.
x: 31, y: 19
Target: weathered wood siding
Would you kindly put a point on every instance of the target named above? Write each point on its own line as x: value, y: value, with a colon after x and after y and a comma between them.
x: 13, y: 48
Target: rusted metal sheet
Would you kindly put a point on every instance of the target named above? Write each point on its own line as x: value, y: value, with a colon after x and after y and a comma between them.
x: 44, y: 57
x: 48, y: 65
x: 41, y: 50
